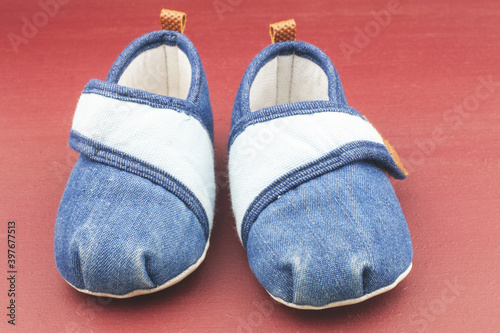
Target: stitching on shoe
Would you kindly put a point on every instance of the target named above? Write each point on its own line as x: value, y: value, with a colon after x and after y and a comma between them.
x: 349, y: 153
x: 112, y: 157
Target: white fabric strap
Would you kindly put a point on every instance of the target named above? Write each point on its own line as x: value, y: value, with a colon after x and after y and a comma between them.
x: 172, y: 141
x: 265, y: 151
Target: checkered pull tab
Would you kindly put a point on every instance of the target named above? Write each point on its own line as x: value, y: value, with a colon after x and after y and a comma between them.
x: 283, y: 31
x: 173, y: 20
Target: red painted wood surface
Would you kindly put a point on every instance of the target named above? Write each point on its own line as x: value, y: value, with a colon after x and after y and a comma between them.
x: 420, y: 78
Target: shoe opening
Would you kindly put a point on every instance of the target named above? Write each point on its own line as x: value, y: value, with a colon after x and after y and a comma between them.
x: 288, y: 79
x: 163, y: 70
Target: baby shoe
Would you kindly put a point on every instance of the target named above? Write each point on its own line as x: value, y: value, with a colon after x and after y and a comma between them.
x: 316, y: 213
x: 138, y: 207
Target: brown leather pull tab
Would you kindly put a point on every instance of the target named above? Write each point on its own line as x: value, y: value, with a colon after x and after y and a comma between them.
x: 393, y: 154
x: 173, y: 20
x: 395, y: 157
x: 283, y: 31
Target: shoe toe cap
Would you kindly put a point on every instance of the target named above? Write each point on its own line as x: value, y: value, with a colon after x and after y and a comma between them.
x: 335, y: 240
x: 118, y: 234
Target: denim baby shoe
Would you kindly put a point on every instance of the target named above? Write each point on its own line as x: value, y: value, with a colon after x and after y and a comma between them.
x: 317, y: 215
x: 137, y: 211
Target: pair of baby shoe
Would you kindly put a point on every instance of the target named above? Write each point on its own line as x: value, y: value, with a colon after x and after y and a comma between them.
x: 315, y: 212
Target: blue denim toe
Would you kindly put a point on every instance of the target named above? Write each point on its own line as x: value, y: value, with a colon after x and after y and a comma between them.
x: 117, y: 233
x: 321, y: 243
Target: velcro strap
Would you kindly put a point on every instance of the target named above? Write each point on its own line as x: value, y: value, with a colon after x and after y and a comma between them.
x: 171, y: 141
x: 267, y: 151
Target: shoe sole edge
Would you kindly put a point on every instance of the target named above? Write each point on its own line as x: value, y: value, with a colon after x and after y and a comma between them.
x: 348, y: 301
x: 165, y: 285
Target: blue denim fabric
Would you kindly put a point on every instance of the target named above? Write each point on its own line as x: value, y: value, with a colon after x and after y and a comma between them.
x: 331, y: 231
x: 123, y: 226
x: 337, y: 237
x: 358, y: 151
x: 106, y: 155
x: 117, y: 232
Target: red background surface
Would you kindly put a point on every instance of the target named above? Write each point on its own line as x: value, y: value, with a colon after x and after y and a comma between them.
x: 407, y: 78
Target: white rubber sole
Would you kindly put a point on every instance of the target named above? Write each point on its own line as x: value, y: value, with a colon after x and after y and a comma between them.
x: 167, y: 284
x: 348, y: 301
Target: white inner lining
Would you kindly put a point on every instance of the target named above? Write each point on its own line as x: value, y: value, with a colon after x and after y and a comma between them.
x: 288, y: 79
x: 163, y: 70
